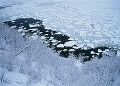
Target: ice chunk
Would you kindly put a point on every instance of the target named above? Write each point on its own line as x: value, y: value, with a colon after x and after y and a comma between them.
x: 85, y: 48
x: 71, y: 39
x: 71, y: 50
x: 13, y: 21
x: 60, y: 46
x: 42, y: 37
x: 23, y: 34
x: 20, y: 30
x: 13, y: 27
x: 58, y: 33
x: 34, y: 25
x: 47, y: 31
x: 54, y: 41
x: 65, y: 50
x: 70, y: 43
x: 26, y: 31
x: 40, y: 32
x: 54, y: 44
x: 46, y: 35
x: 99, y: 50
x: 34, y: 29
x: 98, y: 54
x: 34, y: 33
x: 51, y: 37
x: 106, y: 50
x: 46, y: 42
x: 75, y: 47
x: 92, y: 52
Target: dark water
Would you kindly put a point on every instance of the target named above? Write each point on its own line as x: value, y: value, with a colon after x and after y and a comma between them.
x: 31, y: 26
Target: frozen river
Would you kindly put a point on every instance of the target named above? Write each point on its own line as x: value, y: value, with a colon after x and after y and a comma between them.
x: 89, y: 23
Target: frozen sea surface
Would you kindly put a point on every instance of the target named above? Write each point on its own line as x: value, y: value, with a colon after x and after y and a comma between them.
x: 88, y: 22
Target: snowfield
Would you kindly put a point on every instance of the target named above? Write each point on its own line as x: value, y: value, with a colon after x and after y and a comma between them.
x: 26, y: 61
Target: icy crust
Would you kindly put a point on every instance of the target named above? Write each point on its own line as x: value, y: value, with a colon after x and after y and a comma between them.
x: 56, y: 40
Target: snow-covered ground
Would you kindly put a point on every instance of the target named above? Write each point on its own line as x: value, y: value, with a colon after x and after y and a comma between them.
x: 28, y: 62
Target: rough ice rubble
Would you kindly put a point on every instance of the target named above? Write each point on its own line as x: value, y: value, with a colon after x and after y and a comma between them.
x: 60, y: 12
x: 56, y: 39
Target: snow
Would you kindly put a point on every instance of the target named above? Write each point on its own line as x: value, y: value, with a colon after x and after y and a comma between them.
x: 118, y: 53
x: 20, y: 30
x: 42, y: 37
x: 92, y: 52
x: 34, y: 29
x: 33, y: 25
x: 60, y: 46
x: 75, y: 47
x: 48, y: 27
x: 71, y: 39
x: 23, y: 34
x: 91, y: 22
x: 81, y: 45
x: 99, y: 50
x: 34, y: 34
x: 13, y: 78
x: 58, y: 33
x: 34, y: 37
x: 71, y: 50
x: 78, y: 64
x: 13, y: 27
x: 70, y: 43
x: 91, y: 45
x: 54, y: 41
x: 65, y: 50
x: 16, y: 78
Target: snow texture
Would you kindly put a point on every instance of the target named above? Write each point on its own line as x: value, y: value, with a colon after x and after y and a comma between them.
x: 28, y: 62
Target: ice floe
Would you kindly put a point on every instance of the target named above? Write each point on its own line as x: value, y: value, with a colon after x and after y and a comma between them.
x: 70, y: 43
x: 42, y: 37
x: 60, y: 46
x: 20, y: 30
x: 71, y: 50
x: 99, y: 50
x: 92, y: 52
x: 13, y: 27
x: 33, y: 25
